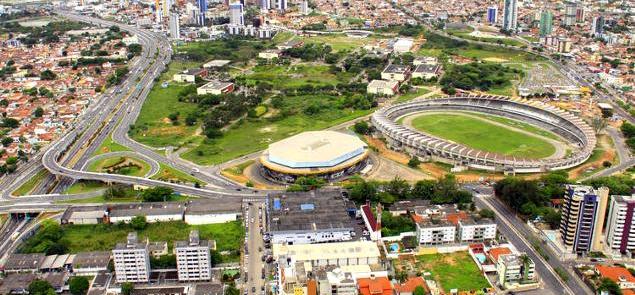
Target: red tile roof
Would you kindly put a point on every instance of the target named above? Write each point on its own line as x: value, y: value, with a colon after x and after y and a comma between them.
x: 410, y: 285
x: 374, y: 286
x: 615, y: 273
x: 494, y: 253
x: 369, y: 215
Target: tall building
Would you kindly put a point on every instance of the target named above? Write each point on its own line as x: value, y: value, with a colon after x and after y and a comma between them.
x: 174, y: 26
x: 202, y: 8
x: 510, y: 15
x: 620, y: 229
x: 582, y: 218
x: 132, y: 260
x: 597, y: 27
x: 546, y: 23
x: 166, y: 6
x: 264, y: 5
x: 492, y: 14
x: 579, y: 14
x: 236, y: 14
x: 193, y: 258
x: 282, y: 5
x: 304, y: 7
x: 570, y: 10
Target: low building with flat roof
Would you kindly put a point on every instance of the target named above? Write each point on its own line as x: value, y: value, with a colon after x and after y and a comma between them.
x: 154, y: 212
x: 313, y: 217
x: 339, y: 254
x: 215, y: 88
x: 426, y: 72
x: 209, y: 212
x: 23, y: 262
x: 217, y: 63
x: 382, y: 87
x: 394, y: 72
x: 189, y: 75
x: 90, y: 263
x: 84, y: 215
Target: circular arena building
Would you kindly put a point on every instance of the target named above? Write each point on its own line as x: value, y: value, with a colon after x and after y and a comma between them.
x: 564, y: 124
x: 326, y: 154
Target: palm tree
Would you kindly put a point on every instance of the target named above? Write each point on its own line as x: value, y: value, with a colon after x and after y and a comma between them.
x: 524, y: 269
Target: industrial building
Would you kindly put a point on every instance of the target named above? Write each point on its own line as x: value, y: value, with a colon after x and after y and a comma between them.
x: 215, y: 88
x: 382, y: 87
x: 310, y: 217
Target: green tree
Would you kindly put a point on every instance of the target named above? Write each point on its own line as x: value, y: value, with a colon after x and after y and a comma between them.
x: 610, y: 286
x: 78, y: 285
x: 40, y: 287
x: 157, y: 194
x: 419, y: 290
x: 361, y: 127
x: 127, y: 288
x: 487, y: 213
x: 48, y: 75
x: 39, y: 112
x: 138, y: 222
x: 414, y: 162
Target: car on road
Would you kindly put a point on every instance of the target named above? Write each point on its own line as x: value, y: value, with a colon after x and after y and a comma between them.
x: 253, y: 289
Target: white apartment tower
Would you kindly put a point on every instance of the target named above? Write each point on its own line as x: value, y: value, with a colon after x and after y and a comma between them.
x: 620, y: 229
x: 175, y: 26
x: 236, y: 14
x: 132, y: 260
x: 193, y: 259
x: 510, y: 15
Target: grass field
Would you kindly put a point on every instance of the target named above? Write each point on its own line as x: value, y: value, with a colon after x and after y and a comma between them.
x: 296, y: 75
x: 153, y: 126
x: 412, y: 95
x: 84, y: 187
x: 339, y: 42
x: 139, y: 168
x: 167, y: 173
x: 109, y: 146
x: 251, y: 135
x: 103, y: 237
x: 130, y: 198
x: 453, y: 271
x: 482, y: 135
x: 30, y: 184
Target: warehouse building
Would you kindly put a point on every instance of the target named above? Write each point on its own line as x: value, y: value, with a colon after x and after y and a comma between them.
x: 304, y: 218
x: 204, y: 212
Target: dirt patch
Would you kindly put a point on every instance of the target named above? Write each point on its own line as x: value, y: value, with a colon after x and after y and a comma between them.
x: 495, y: 59
x: 172, y: 130
x: 166, y: 120
x: 608, y: 154
x: 268, y: 129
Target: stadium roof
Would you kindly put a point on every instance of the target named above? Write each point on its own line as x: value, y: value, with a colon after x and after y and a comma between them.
x: 315, y: 149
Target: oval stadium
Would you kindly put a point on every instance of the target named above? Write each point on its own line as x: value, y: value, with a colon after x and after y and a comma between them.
x: 565, y: 125
x: 326, y: 154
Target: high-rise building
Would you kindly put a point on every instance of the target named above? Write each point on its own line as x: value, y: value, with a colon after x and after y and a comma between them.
x: 281, y: 5
x: 579, y: 14
x: 597, y: 27
x: 620, y: 229
x: 492, y: 14
x: 193, y: 258
x: 175, y: 26
x: 202, y: 8
x: 166, y: 6
x: 265, y: 5
x: 510, y: 15
x: 304, y: 7
x: 570, y: 10
x: 236, y: 14
x: 582, y: 218
x: 546, y: 23
x: 132, y: 260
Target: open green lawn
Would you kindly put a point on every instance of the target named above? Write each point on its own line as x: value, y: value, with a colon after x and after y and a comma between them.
x: 296, y: 75
x: 30, y: 184
x: 339, y: 42
x: 453, y: 271
x: 103, y: 237
x: 109, y: 146
x: 84, y: 187
x: 412, y: 95
x: 130, y: 198
x: 153, y: 126
x: 138, y: 168
x: 167, y: 173
x: 483, y: 135
x: 251, y: 135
